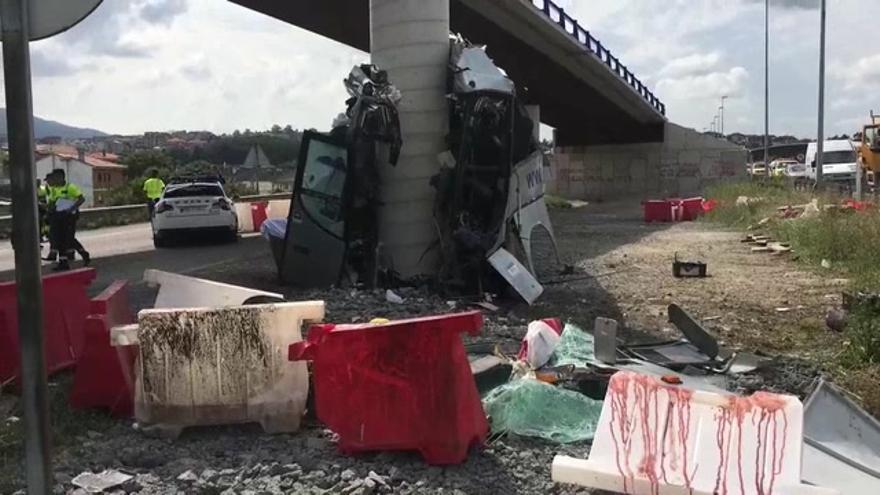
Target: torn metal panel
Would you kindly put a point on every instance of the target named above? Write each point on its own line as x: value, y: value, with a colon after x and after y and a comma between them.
x: 842, y: 443
x: 694, y: 332
x: 516, y: 275
x: 475, y: 71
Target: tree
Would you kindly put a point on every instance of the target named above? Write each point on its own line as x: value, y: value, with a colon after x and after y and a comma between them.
x: 276, y: 129
x: 140, y: 163
x: 236, y: 133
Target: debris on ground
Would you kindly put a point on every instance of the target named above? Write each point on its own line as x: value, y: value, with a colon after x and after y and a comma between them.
x: 101, y: 482
x: 688, y: 269
x: 392, y: 297
x: 530, y: 407
x: 540, y: 342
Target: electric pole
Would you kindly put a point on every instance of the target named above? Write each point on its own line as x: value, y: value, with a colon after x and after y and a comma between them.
x: 820, y: 134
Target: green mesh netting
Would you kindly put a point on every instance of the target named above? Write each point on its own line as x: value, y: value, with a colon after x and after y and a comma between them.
x: 575, y: 347
x: 532, y: 408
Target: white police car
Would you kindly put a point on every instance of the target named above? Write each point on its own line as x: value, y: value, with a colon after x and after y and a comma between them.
x: 189, y: 208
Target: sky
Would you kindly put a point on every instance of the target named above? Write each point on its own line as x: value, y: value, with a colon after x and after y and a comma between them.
x: 140, y: 65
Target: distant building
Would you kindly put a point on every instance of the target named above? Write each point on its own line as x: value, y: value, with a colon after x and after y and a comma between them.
x: 155, y: 139
x: 95, y: 174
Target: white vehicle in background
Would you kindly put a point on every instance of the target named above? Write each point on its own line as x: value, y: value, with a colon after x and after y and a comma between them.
x: 194, y: 207
x: 840, y: 162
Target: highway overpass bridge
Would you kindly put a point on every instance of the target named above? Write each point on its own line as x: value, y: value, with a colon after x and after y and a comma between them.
x: 584, y: 91
x: 612, y: 135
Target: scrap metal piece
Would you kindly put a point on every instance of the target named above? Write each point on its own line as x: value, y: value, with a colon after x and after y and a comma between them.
x: 842, y: 443
x: 516, y: 275
x: 695, y: 333
x: 605, y: 335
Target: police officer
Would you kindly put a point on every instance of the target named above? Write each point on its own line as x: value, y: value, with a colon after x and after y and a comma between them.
x: 64, y: 202
x: 153, y: 188
x: 42, y: 206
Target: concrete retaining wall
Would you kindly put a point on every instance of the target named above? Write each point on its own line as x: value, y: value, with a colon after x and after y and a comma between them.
x: 683, y: 165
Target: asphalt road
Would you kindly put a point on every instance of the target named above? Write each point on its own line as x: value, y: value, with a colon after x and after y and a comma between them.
x: 123, y: 253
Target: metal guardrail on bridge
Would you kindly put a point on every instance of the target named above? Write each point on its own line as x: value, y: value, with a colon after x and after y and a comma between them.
x: 570, y: 25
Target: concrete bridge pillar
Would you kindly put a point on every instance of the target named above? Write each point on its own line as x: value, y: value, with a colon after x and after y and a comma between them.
x: 410, y: 39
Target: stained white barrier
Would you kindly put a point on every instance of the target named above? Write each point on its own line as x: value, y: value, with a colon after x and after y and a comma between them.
x: 245, y: 217
x: 278, y: 209
x: 220, y: 366
x: 655, y: 438
x: 180, y: 291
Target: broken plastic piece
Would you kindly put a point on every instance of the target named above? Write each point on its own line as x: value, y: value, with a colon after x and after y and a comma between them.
x: 540, y: 342
x: 180, y: 291
x: 516, y: 275
x: 654, y: 438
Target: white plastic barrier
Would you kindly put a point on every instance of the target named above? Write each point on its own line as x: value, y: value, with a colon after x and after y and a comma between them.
x: 245, y: 217
x: 219, y: 366
x: 659, y: 439
x: 278, y: 208
x: 180, y: 291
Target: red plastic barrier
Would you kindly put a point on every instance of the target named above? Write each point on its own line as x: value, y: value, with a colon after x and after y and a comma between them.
x: 691, y: 209
x: 65, y: 307
x: 259, y: 214
x: 406, y: 385
x: 658, y: 210
x: 709, y: 205
x: 105, y: 374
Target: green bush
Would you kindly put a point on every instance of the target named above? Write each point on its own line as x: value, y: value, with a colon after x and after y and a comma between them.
x: 862, y: 339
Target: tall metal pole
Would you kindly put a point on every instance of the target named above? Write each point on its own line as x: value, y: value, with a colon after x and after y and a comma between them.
x: 767, y: 83
x: 820, y: 134
x: 25, y: 239
x: 722, y: 114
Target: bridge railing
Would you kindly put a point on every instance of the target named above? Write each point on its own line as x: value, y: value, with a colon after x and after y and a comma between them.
x: 570, y: 25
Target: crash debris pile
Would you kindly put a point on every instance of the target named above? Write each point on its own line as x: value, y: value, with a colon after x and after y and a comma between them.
x: 412, y: 385
x: 489, y: 190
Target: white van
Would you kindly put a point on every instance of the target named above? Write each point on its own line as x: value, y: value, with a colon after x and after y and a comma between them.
x: 840, y: 160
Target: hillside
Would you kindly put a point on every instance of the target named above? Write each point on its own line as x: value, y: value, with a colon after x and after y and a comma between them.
x: 45, y: 128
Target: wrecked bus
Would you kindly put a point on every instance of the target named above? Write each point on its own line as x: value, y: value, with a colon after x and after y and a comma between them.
x: 490, y: 187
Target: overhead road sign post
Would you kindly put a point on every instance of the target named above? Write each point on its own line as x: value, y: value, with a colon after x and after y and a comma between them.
x: 47, y: 18
x: 23, y: 21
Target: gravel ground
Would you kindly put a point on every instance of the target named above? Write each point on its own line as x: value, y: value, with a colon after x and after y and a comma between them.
x: 622, y: 271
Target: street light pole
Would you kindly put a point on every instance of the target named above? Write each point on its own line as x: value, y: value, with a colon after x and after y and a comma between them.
x: 722, y: 114
x: 820, y: 134
x: 766, y: 83
x: 26, y: 243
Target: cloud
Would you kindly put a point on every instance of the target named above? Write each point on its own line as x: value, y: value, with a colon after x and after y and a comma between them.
x: 862, y: 75
x: 115, y: 28
x: 163, y: 11
x: 690, y: 65
x: 790, y: 4
x: 731, y: 83
x: 48, y: 65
